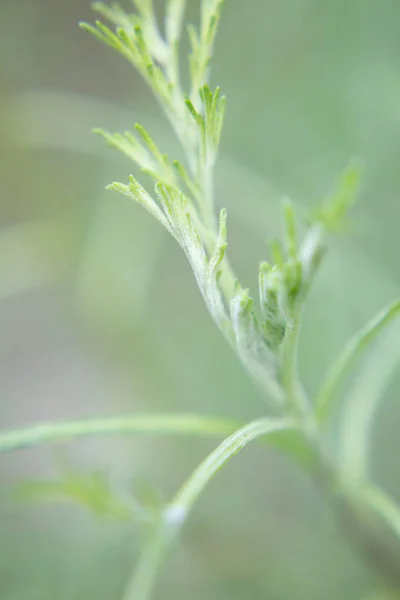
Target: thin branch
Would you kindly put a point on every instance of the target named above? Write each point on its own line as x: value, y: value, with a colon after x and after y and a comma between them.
x: 144, y: 577
x: 350, y: 354
x: 53, y: 432
x: 362, y: 403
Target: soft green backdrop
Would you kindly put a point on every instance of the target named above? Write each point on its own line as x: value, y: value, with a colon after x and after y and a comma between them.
x: 100, y: 314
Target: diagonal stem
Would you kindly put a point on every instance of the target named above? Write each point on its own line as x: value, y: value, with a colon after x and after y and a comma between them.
x: 142, y: 583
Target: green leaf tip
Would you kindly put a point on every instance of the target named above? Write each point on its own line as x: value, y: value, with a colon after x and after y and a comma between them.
x: 277, y: 253
x: 291, y: 230
x: 214, y: 110
x: 192, y: 110
x: 333, y: 213
x: 117, y: 186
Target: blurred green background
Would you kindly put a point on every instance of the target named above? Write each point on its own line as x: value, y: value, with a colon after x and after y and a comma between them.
x: 100, y: 314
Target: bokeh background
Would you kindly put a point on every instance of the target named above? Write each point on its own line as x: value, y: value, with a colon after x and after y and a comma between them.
x: 100, y: 314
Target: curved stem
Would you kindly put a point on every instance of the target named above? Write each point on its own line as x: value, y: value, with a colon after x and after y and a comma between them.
x: 144, y: 577
x: 289, y: 370
x: 349, y: 355
x: 46, y: 433
x: 362, y: 403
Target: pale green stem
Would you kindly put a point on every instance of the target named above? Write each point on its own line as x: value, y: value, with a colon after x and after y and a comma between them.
x: 289, y: 371
x: 371, y: 520
x: 228, y: 280
x: 295, y: 395
x: 363, y: 401
x: 382, y: 505
x: 197, y: 481
x: 206, y: 177
x: 141, y: 584
x: 46, y: 433
x: 143, y: 581
x: 203, y: 173
x: 349, y: 355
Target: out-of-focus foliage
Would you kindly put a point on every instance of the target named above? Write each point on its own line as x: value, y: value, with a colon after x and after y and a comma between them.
x: 92, y: 323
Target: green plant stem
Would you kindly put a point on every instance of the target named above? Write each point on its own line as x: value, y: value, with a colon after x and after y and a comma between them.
x: 363, y: 533
x: 370, y: 519
x: 141, y: 584
x: 361, y: 406
x: 144, y: 577
x: 295, y: 395
x: 289, y: 371
x: 349, y: 355
x: 46, y: 433
x: 228, y: 279
x: 362, y: 403
x: 206, y: 179
x: 197, y: 481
